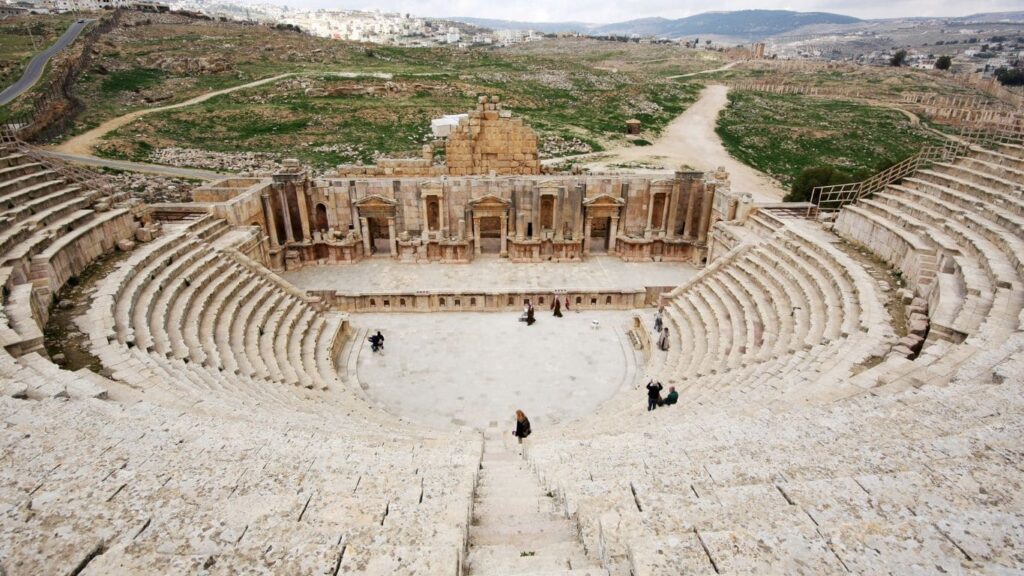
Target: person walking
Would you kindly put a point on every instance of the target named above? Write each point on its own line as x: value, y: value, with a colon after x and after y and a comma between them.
x: 522, y: 426
x: 529, y: 314
x: 663, y: 340
x: 556, y: 304
x: 653, y: 395
x: 657, y: 322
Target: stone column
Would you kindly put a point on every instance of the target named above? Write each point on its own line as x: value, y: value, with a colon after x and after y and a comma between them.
x: 520, y: 226
x: 476, y: 235
x: 392, y: 237
x: 664, y: 214
x: 442, y: 220
x: 650, y: 212
x: 504, y: 235
x: 557, y: 222
x: 364, y: 230
x: 300, y: 195
x: 673, y: 211
x: 425, y: 232
x: 289, y: 236
x: 705, y: 212
x: 586, y: 235
x: 268, y: 211
x: 688, y: 223
x: 613, y: 231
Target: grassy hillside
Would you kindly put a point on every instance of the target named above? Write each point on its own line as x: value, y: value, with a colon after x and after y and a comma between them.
x: 782, y: 134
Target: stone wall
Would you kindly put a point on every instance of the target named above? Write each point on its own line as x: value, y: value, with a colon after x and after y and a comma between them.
x: 491, y: 141
x: 488, y: 141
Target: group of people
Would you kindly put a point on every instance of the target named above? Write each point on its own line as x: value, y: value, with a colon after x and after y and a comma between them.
x: 654, y: 398
x: 377, y: 342
x: 528, y: 314
x: 662, y: 332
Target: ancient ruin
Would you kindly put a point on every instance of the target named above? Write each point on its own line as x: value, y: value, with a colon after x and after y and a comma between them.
x: 191, y: 387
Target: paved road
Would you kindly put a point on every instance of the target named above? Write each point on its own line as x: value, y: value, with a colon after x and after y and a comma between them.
x: 38, y: 63
x: 136, y: 166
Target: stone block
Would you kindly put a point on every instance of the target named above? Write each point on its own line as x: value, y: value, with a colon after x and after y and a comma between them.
x: 125, y: 245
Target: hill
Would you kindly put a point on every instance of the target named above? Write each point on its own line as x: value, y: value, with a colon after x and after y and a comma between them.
x: 746, y: 24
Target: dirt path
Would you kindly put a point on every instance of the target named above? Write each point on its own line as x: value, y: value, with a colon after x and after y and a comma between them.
x: 691, y: 74
x: 83, y: 144
x: 690, y: 140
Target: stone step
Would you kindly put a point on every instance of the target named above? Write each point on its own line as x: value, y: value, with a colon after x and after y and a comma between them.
x: 558, y: 558
x: 530, y: 533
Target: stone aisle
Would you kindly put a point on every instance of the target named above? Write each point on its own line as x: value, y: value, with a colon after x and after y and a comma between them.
x: 516, y: 528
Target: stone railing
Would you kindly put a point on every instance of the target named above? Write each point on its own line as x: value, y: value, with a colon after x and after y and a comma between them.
x: 833, y: 198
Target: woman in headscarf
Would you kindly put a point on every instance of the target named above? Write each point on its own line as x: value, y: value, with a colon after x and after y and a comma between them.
x: 556, y: 304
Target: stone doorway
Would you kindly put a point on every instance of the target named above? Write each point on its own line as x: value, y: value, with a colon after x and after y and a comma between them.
x: 490, y: 235
x: 599, y: 228
x: 658, y: 211
x: 380, y: 237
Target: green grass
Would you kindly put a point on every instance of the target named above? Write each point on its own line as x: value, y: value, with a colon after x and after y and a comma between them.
x: 131, y: 80
x: 782, y: 134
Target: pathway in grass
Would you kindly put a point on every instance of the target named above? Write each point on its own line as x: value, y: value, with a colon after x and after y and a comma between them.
x: 690, y: 141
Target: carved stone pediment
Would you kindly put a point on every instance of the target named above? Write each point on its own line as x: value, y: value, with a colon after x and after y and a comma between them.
x: 489, y: 205
x: 376, y: 206
x: 431, y: 188
x: 549, y: 187
x: 603, y: 200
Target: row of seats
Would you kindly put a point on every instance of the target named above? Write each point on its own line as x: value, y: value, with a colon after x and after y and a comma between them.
x: 51, y: 228
x: 964, y: 225
x: 783, y: 289
x: 188, y: 301
x: 798, y: 444
x: 875, y: 483
x: 225, y: 440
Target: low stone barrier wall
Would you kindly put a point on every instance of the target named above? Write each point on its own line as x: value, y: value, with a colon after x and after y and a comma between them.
x: 483, y: 301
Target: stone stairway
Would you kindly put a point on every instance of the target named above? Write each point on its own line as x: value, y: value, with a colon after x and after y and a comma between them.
x: 516, y: 528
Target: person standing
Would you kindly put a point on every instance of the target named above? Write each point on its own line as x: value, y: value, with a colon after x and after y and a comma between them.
x: 522, y: 426
x: 663, y: 340
x: 657, y: 322
x: 556, y: 304
x: 529, y: 314
x: 653, y: 395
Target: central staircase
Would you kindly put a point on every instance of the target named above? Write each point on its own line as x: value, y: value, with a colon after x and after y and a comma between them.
x: 517, y: 529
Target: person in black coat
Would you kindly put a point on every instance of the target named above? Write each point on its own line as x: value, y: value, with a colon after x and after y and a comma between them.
x: 653, y: 395
x: 522, y: 426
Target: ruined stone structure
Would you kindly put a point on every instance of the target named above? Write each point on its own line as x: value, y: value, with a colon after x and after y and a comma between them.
x: 526, y: 219
x: 488, y: 141
x: 225, y: 428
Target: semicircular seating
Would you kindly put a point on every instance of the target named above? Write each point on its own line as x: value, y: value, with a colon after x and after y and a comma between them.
x: 800, y: 443
x: 196, y: 459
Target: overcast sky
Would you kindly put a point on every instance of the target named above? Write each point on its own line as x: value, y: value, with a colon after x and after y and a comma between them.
x: 603, y: 11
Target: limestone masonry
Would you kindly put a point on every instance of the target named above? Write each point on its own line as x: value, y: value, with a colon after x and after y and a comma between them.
x: 850, y: 371
x: 487, y: 141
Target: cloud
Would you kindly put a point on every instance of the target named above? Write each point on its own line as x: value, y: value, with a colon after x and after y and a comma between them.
x: 602, y: 11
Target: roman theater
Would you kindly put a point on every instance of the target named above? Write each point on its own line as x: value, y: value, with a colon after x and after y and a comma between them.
x: 849, y: 369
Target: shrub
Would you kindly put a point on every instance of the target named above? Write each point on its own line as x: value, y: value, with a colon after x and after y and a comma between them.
x: 814, y: 176
x: 899, y: 58
x: 641, y: 142
x: 943, y: 63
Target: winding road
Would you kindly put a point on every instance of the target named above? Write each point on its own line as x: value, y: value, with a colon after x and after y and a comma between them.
x: 38, y: 62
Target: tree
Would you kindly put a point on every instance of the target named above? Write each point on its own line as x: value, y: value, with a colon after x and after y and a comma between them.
x: 812, y: 177
x: 1010, y: 76
x: 943, y: 63
x: 899, y: 58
